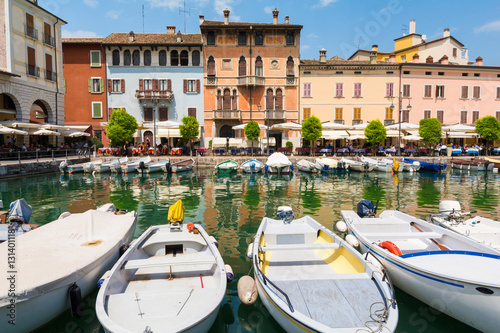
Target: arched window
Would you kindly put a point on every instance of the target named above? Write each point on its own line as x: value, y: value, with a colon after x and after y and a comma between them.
x: 242, y: 68
x: 269, y: 99
x: 226, y: 103
x: 136, y: 58
x: 235, y: 100
x: 174, y: 58
x: 211, y: 66
x: 259, y: 67
x: 116, y: 58
x: 279, y: 99
x: 219, y: 100
x: 147, y: 58
x: 196, y: 58
x: 184, y: 58
x: 126, y: 58
x: 289, y: 67
x: 162, y: 58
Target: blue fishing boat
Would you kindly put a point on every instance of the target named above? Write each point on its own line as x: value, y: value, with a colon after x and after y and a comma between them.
x: 427, y: 166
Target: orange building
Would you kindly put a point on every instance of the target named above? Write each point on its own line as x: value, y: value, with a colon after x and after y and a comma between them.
x: 251, y: 73
x: 85, y: 99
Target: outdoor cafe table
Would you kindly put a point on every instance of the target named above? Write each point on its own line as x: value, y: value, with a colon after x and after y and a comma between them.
x: 359, y: 151
x: 408, y: 152
x: 343, y: 151
x: 108, y: 150
x: 201, y: 151
x: 176, y: 151
x: 472, y: 151
x: 151, y: 151
x: 326, y: 150
x: 390, y: 150
x: 456, y: 151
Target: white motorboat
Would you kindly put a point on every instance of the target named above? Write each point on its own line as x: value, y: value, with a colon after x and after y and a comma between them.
x: 450, y: 272
x: 472, y: 164
x: 326, y: 164
x: 65, y: 167
x: 410, y: 167
x: 226, y: 166
x: 358, y: 165
x: 379, y: 165
x: 311, y: 280
x: 307, y: 166
x: 59, y: 263
x: 482, y: 229
x: 131, y: 165
x: 171, y: 279
x: 252, y: 166
x: 397, y: 166
x: 18, y: 221
x: 151, y: 167
x: 106, y: 166
x: 278, y: 163
x: 181, y: 166
x: 89, y: 167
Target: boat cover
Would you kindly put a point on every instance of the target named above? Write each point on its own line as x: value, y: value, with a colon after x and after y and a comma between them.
x: 278, y: 160
x: 176, y: 212
x: 20, y: 211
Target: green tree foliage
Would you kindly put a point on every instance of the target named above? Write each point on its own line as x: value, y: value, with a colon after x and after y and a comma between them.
x: 375, y: 132
x: 252, y: 132
x: 488, y: 128
x: 189, y: 129
x: 121, y: 127
x: 96, y: 142
x: 289, y: 144
x: 430, y: 130
x: 312, y: 130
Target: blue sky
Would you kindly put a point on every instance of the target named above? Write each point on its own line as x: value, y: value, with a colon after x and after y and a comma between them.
x: 339, y: 26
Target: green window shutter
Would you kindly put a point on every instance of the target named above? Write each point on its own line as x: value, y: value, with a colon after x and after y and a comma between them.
x: 95, y: 58
x: 102, y: 85
x: 90, y: 85
x: 96, y: 110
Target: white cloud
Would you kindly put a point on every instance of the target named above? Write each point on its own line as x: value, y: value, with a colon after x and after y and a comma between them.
x: 304, y: 47
x: 114, y: 14
x: 488, y: 27
x: 175, y: 4
x: 324, y: 3
x: 268, y: 9
x: 79, y: 34
x: 91, y: 3
x: 220, y: 5
x: 312, y: 35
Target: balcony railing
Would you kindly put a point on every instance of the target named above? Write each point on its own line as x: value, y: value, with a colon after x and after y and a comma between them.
x: 50, y: 76
x: 49, y: 40
x: 290, y: 81
x: 31, y: 32
x: 211, y: 81
x: 33, y: 70
x: 154, y: 95
x: 275, y: 114
x: 339, y: 121
x: 357, y: 122
x: 251, y: 80
x: 388, y: 122
x: 227, y: 114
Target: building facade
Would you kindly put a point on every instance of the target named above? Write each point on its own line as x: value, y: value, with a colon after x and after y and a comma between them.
x: 251, y: 73
x: 31, y: 77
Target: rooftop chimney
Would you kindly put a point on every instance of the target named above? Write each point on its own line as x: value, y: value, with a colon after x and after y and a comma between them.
x: 131, y: 37
x: 416, y: 58
x: 479, y: 61
x: 429, y: 60
x: 287, y: 20
x: 170, y: 29
x: 373, y: 57
x: 392, y: 57
x: 202, y: 19
x: 444, y: 60
x: 446, y: 32
x: 322, y: 56
x: 179, y: 37
x: 226, y: 16
x: 375, y: 48
x: 275, y: 16
x: 413, y: 25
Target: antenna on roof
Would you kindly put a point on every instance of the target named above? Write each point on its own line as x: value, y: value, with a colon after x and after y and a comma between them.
x: 142, y: 18
x: 185, y: 10
x: 404, y: 29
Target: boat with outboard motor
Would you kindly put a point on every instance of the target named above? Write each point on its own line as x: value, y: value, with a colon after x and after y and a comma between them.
x: 410, y: 167
x: 358, y: 166
x: 181, y: 166
x: 171, y: 279
x: 158, y: 166
x: 132, y: 164
x: 329, y: 165
x: 310, y: 280
x: 106, y: 165
x: 384, y: 165
x: 448, y: 271
x: 471, y: 164
x: 65, y: 167
x: 427, y: 166
x: 308, y: 166
x: 18, y: 220
x: 278, y: 164
x: 252, y: 166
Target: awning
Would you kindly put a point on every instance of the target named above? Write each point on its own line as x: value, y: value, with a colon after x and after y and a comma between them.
x: 334, y: 135
x: 272, y: 141
x: 81, y: 128
x: 171, y: 133
x: 392, y: 134
x: 459, y: 135
x: 219, y: 142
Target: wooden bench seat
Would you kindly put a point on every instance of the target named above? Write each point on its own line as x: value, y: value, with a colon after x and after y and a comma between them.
x: 289, y: 247
x: 159, y: 261
x: 401, y: 235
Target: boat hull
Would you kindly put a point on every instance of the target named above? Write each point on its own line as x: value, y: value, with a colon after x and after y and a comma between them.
x: 470, y: 167
x: 183, y: 168
x: 284, y: 170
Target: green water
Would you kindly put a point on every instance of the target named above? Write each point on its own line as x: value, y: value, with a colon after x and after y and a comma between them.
x: 230, y: 207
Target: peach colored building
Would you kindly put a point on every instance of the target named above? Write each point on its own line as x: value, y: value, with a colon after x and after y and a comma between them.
x: 251, y: 73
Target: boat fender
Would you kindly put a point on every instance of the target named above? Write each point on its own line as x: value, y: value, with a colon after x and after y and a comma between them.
x: 247, y: 291
x: 103, y: 277
x: 190, y: 226
x: 75, y: 298
x: 341, y: 226
x: 325, y: 167
x: 122, y: 249
x: 252, y: 165
x: 351, y: 240
x: 391, y: 247
x: 266, y: 168
x: 213, y: 240
x: 376, y: 264
x: 64, y: 215
x: 291, y: 167
x: 250, y: 251
x: 229, y: 273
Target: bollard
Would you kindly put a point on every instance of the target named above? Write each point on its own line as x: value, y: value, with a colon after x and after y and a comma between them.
x: 66, y: 154
x: 52, y: 155
x: 19, y: 156
x: 37, y: 156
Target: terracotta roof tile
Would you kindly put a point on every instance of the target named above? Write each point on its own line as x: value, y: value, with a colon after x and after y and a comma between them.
x: 339, y: 61
x: 247, y: 24
x: 83, y: 40
x: 152, y: 38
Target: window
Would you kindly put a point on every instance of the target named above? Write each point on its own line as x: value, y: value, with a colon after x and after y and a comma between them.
x: 30, y: 27
x: 465, y: 74
x: 464, y: 92
x: 357, y: 89
x: 440, y: 116
x: 162, y: 58
x: 196, y: 58
x: 184, y: 58
x: 242, y: 67
x: 389, y: 73
x: 211, y: 38
x: 191, y: 86
x: 427, y: 91
x: 290, y: 39
x: 497, y: 115
x: 406, y: 91
x: 126, y: 58
x: 49, y: 75
x: 148, y: 113
x: 32, y: 69
x: 306, y: 89
x: 428, y: 73
x: 116, y: 58
x: 147, y: 84
x: 427, y: 114
x: 235, y: 100
x: 339, y: 72
x: 441, y: 73
x: 163, y: 85
x: 356, y: 114
x: 147, y: 58
x: 174, y: 58
x: 454, y: 51
x: 307, y: 112
x: 162, y: 113
x: 463, y: 117
x: 242, y: 38
x: 477, y: 75
x: 403, y: 58
x: 279, y: 100
x: 498, y: 93
x: 406, y: 72
x: 357, y: 73
x: 259, y: 39
x: 389, y: 89
x: 96, y: 85
x: 219, y: 100
x: 226, y: 100
x: 339, y: 89
x: 259, y: 67
x: 136, y: 58
x: 406, y: 116
x: 476, y: 92
x: 96, y: 109
x: 339, y: 113
x: 439, y: 91
x: 95, y: 58
x: 269, y: 99
x: 47, y: 35
x: 290, y: 67
x: 116, y: 86
x: 475, y: 116
x: 192, y: 112
x: 389, y: 113
x: 211, y: 66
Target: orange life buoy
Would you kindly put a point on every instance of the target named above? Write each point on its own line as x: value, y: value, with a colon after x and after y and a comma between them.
x: 388, y: 245
x: 140, y: 148
x: 190, y: 226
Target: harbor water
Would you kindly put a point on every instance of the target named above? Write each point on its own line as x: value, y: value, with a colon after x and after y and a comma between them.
x: 230, y: 208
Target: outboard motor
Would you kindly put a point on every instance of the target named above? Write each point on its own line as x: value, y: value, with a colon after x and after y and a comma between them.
x: 340, y: 166
x: 366, y: 166
x: 366, y: 208
x: 286, y: 213
x: 142, y: 166
x: 168, y: 167
x: 64, y: 166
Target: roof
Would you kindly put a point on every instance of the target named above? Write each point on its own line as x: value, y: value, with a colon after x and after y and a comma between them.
x: 45, y: 10
x: 339, y: 61
x: 151, y: 38
x: 83, y: 40
x: 221, y: 24
x: 8, y: 73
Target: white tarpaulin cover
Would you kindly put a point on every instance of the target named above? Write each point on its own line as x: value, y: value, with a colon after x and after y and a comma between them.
x: 272, y: 141
x: 20, y: 211
x: 219, y: 142
x: 278, y: 160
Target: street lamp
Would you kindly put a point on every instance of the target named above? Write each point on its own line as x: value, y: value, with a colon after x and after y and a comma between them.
x: 400, y: 102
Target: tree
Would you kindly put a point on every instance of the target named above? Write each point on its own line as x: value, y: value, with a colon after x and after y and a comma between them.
x: 430, y: 130
x: 121, y: 127
x: 488, y: 128
x: 252, y: 132
x: 190, y: 129
x: 312, y: 130
x: 375, y: 132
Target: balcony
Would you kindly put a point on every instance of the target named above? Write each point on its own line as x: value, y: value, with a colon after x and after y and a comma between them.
x: 388, y: 122
x: 49, y: 40
x: 31, y: 32
x: 339, y: 121
x: 275, y: 114
x: 251, y: 80
x: 290, y: 81
x: 154, y: 95
x: 357, y: 121
x: 32, y: 71
x: 211, y: 81
x: 227, y: 115
x: 50, y: 76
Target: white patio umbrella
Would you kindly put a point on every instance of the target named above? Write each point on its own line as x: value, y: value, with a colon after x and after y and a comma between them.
x: 167, y: 124
x: 290, y: 126
x: 412, y: 137
x: 7, y: 130
x: 459, y: 128
x: 360, y: 126
x: 54, y: 127
x: 16, y: 124
x: 357, y: 136
x: 44, y: 132
x: 404, y: 126
x: 334, y: 126
x: 74, y: 134
x: 242, y: 126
